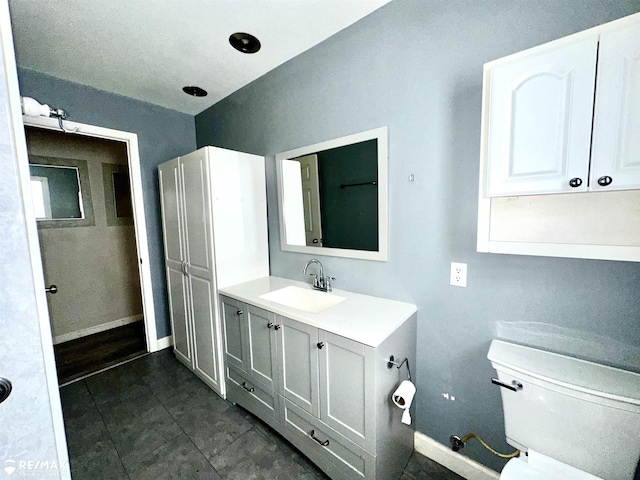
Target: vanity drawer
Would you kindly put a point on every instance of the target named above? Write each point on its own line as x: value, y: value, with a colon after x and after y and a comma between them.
x: 253, y: 396
x: 329, y: 450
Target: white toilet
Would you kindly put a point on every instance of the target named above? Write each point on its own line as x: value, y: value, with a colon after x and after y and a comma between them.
x: 575, y: 420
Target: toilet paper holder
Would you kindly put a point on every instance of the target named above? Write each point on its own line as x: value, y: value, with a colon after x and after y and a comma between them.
x: 391, y: 363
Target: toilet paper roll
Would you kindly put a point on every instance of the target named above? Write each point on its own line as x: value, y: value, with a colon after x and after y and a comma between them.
x: 402, y: 397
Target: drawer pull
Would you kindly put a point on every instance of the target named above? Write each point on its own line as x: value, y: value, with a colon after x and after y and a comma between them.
x: 269, y: 325
x: 239, y: 312
x: 248, y: 389
x: 313, y: 435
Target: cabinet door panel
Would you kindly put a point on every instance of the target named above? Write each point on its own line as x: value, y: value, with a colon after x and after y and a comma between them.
x: 540, y: 120
x: 171, y: 211
x: 197, y: 211
x: 262, y: 345
x: 205, y: 355
x: 616, y: 129
x: 298, y: 360
x: 234, y: 335
x: 346, y: 388
x: 177, y: 287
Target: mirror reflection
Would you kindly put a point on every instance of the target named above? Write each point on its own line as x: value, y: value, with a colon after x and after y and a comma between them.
x: 333, y: 197
x: 56, y: 192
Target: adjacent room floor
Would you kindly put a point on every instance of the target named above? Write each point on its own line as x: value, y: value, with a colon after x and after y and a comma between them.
x: 152, y: 418
x: 82, y: 356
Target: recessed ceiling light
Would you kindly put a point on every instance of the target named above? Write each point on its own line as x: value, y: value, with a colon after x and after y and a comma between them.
x: 244, y: 42
x: 194, y: 91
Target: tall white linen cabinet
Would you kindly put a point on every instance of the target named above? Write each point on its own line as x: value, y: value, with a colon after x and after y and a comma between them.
x: 214, y: 224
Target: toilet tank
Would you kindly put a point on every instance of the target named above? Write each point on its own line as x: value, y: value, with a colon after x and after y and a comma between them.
x: 580, y: 413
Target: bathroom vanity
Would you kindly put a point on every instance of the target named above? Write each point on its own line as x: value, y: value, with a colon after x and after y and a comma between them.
x: 315, y: 367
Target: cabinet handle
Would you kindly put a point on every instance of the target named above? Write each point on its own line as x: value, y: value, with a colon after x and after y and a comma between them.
x: 269, y: 325
x: 248, y: 389
x: 277, y: 327
x: 605, y: 181
x: 515, y: 384
x: 313, y: 435
x: 320, y: 344
x: 575, y: 182
x: 239, y: 312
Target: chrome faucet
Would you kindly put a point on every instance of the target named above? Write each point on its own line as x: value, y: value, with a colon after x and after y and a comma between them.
x: 320, y: 282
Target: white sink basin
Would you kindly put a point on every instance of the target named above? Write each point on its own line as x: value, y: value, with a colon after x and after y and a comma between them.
x: 308, y: 300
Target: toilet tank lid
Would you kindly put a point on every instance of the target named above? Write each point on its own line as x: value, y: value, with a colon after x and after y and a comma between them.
x: 569, y: 372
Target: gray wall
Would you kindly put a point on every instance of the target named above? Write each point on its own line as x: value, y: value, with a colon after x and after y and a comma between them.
x: 416, y: 66
x: 162, y: 135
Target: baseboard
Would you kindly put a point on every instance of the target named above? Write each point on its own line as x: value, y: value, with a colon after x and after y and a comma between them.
x: 97, y: 329
x: 165, y: 342
x: 460, y: 464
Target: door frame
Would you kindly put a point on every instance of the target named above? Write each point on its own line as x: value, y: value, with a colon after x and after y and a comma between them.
x: 135, y: 179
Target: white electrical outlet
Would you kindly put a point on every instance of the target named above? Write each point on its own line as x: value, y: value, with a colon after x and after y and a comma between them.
x: 458, y: 274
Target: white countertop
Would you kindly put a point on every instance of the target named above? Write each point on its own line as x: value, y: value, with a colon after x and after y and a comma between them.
x: 365, y: 319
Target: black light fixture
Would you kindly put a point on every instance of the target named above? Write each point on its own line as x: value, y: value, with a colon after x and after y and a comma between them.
x: 244, y: 42
x: 194, y: 91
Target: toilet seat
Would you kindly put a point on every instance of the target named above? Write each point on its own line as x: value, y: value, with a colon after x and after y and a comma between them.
x: 540, y: 467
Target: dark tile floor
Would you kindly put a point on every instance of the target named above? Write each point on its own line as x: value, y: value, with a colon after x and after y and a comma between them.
x: 153, y: 419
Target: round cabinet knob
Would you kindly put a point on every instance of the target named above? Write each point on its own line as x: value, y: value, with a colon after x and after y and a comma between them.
x: 320, y: 344
x: 52, y: 289
x: 277, y: 327
x: 575, y: 182
x: 269, y: 325
x: 605, y: 181
x: 239, y: 312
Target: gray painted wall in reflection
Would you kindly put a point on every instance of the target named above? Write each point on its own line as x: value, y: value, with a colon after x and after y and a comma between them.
x: 416, y: 66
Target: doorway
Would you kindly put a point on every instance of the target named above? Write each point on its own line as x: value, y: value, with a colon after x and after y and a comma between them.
x: 88, y: 247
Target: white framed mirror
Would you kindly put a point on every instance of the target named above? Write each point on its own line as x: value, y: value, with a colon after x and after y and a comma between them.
x: 333, y: 197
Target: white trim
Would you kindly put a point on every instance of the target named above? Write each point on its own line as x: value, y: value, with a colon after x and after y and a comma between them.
x: 165, y: 342
x: 383, y: 198
x: 454, y: 461
x: 85, y: 332
x: 20, y: 144
x: 131, y: 139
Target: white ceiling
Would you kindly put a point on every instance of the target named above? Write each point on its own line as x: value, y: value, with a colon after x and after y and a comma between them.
x: 150, y: 49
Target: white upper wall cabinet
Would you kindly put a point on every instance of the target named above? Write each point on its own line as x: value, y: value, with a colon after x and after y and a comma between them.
x: 540, y: 115
x: 560, y: 147
x: 615, y: 156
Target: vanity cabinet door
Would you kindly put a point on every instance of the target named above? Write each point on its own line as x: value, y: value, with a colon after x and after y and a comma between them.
x: 262, y: 359
x: 298, y: 361
x: 233, y: 319
x: 347, y: 389
x: 539, y: 115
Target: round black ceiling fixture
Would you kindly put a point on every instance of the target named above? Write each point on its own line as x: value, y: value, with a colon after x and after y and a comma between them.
x: 244, y: 42
x: 194, y: 91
